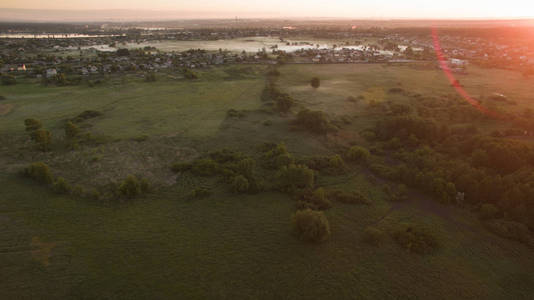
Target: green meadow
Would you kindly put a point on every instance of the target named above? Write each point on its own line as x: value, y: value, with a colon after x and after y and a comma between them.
x: 168, y: 245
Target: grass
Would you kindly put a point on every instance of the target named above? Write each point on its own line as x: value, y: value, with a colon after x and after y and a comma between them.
x: 226, y: 245
x: 229, y: 246
x: 166, y: 106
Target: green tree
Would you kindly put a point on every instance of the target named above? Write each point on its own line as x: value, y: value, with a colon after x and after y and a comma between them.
x: 43, y: 138
x: 315, y: 82
x: 311, y: 226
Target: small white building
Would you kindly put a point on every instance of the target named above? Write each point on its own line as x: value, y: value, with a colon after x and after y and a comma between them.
x: 458, y: 62
x: 22, y: 68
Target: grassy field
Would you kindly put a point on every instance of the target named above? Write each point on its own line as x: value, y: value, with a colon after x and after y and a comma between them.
x: 228, y: 246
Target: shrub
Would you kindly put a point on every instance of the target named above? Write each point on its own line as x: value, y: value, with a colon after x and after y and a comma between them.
x: 396, y: 90
x: 190, y: 74
x: 130, y: 187
x: 40, y: 172
x: 348, y: 198
x: 295, y: 177
x: 315, y: 200
x: 8, y: 80
x: 61, y: 186
x: 400, y: 193
x: 85, y: 115
x: 200, y: 193
x: 240, y: 184
x: 225, y: 156
x: 32, y: 124
x: 352, y: 99
x: 511, y: 230
x: 357, y: 154
x: 415, y: 239
x: 317, y: 162
x: 311, y: 226
x: 232, y: 113
x: 336, y: 163
x: 43, y: 138
x: 276, y: 156
x: 205, y: 167
x: 71, y: 131
x: 315, y: 82
x: 145, y: 185
x: 373, y: 236
x: 181, y: 167
x: 488, y: 211
x: 267, y: 123
x: 246, y: 167
x: 150, y: 77
x: 123, y: 52
x: 314, y: 121
x: 284, y: 102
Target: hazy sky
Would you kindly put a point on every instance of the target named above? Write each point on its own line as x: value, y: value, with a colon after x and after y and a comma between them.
x: 305, y: 8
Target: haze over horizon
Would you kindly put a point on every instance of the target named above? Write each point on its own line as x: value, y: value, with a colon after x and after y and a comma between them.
x: 97, y: 10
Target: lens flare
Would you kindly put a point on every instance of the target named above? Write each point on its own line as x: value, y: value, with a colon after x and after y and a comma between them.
x: 456, y: 84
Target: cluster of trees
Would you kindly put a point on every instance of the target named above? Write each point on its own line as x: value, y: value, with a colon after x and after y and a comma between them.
x: 459, y: 166
x: 42, y: 137
x: 271, y: 94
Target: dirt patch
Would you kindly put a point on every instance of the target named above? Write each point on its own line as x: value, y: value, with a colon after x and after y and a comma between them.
x: 5, y: 109
x: 42, y: 251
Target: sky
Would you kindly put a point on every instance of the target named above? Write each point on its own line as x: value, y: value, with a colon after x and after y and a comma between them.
x: 422, y: 9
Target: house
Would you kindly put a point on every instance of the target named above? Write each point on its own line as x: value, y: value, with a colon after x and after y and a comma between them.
x: 458, y: 62
x: 51, y: 73
x: 22, y: 68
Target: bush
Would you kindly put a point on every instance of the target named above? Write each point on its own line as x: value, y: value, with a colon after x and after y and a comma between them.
x: 246, y: 167
x: 295, y: 177
x: 181, y: 167
x: 43, y: 138
x: 373, y: 236
x: 130, y: 187
x: 232, y: 113
x: 190, y: 74
x: 314, y: 121
x: 488, y: 211
x: 311, y: 226
x: 71, y: 131
x: 276, y: 156
x: 205, y: 167
x: 150, y: 77
x: 240, y: 184
x: 315, y: 82
x: 200, y: 193
x: 225, y: 156
x: 336, y: 163
x: 61, y: 186
x: 357, y: 154
x: 511, y: 230
x: 415, y: 239
x: 123, y: 52
x: 88, y: 114
x: 348, y: 198
x: 32, y: 124
x: 267, y: 123
x: 8, y: 80
x: 315, y: 200
x: 39, y: 172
